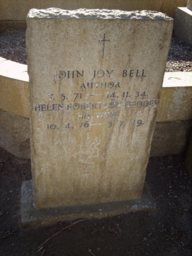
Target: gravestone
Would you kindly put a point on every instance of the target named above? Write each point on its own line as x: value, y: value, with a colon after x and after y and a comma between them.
x: 183, y: 23
x: 95, y: 82
x: 189, y: 4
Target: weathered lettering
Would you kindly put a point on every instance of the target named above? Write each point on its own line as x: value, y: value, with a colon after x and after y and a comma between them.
x: 69, y: 74
x: 134, y: 73
x: 96, y: 105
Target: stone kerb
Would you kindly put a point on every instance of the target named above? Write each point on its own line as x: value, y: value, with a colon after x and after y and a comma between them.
x: 14, y: 88
x: 14, y: 108
x: 176, y: 95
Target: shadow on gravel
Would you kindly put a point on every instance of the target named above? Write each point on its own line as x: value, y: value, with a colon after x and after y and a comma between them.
x: 164, y: 232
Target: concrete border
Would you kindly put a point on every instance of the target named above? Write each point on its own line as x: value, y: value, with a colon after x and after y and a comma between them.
x: 15, y: 24
x: 33, y: 218
x: 14, y: 88
x: 176, y: 97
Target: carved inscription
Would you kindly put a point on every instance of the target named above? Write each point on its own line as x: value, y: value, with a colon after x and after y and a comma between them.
x: 134, y: 73
x: 96, y: 105
x: 103, y: 40
x: 100, y: 85
x: 87, y: 124
x: 68, y: 74
x: 76, y: 74
x: 101, y: 112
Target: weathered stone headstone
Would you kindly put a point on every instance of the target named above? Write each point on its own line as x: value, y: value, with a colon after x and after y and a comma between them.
x: 183, y: 23
x: 95, y: 81
x: 189, y: 4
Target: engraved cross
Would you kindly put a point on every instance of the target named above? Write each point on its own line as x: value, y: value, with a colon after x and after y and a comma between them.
x: 103, y: 40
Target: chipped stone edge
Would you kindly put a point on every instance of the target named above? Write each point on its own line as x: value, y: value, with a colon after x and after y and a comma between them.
x: 96, y: 14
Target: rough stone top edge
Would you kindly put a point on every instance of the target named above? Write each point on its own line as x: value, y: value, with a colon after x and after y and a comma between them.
x: 56, y: 13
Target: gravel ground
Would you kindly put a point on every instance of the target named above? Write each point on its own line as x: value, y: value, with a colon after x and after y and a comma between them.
x: 12, y: 47
x: 164, y: 232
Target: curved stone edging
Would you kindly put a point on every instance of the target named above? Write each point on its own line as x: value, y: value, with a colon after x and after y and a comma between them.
x: 14, y: 88
x: 15, y: 134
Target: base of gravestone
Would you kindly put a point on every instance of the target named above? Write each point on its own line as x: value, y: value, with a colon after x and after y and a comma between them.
x: 33, y: 218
